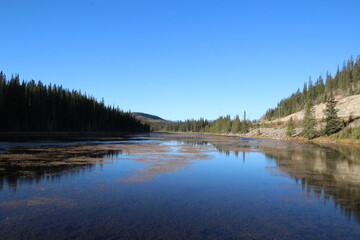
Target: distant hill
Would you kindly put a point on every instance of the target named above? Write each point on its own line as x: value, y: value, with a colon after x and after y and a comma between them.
x: 149, y: 117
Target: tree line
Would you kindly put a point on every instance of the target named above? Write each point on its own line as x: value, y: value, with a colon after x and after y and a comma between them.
x: 223, y: 124
x: 34, y: 106
x: 345, y: 82
x: 228, y: 125
x: 190, y: 125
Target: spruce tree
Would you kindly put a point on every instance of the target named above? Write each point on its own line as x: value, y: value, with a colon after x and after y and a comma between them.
x: 290, y: 128
x: 346, y: 81
x: 235, y: 126
x: 244, y: 127
x: 333, y: 123
x: 309, y: 123
x: 31, y: 106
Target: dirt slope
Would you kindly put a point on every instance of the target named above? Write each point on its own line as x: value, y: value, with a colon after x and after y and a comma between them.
x: 349, y: 107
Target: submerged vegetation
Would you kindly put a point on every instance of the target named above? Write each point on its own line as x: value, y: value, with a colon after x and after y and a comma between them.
x: 33, y: 106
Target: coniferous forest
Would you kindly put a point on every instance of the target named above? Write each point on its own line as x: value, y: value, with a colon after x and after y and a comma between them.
x: 346, y: 82
x: 189, y: 125
x: 33, y: 106
x: 220, y: 125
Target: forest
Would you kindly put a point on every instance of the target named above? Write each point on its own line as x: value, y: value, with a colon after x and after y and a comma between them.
x: 190, y: 125
x: 220, y: 125
x: 33, y: 106
x: 346, y: 82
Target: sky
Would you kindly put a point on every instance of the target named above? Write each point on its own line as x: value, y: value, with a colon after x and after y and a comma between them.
x: 179, y: 59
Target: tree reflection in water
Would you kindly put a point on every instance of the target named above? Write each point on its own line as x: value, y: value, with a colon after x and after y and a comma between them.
x: 328, y: 171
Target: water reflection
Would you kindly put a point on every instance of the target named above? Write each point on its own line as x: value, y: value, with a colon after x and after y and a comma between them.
x: 36, y: 164
x: 328, y: 171
x: 13, y: 177
x: 214, y: 195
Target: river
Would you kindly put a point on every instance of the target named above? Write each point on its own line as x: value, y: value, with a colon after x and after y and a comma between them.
x: 178, y: 186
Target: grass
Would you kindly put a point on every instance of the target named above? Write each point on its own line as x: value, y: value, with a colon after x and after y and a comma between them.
x: 348, y: 133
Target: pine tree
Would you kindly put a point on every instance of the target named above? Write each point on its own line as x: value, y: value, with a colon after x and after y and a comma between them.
x: 290, y: 128
x: 244, y: 127
x: 309, y: 131
x: 345, y: 82
x: 332, y: 120
x: 227, y: 124
x: 235, y: 126
x: 31, y: 106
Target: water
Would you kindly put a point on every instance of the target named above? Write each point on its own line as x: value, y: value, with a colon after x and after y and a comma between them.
x: 178, y: 186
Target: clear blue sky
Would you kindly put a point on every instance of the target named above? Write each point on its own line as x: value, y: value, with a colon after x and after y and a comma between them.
x: 179, y: 59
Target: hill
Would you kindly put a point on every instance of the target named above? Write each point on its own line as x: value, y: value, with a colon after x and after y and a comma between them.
x: 148, y: 117
x: 345, y: 86
x: 348, y: 109
x: 346, y: 82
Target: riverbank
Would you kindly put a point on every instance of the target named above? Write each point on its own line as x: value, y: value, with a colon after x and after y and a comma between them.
x: 280, y: 134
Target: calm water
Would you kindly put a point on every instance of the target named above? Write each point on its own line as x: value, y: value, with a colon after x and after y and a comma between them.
x: 178, y: 186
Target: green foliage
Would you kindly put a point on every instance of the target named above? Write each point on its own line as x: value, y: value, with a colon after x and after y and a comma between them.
x: 245, y: 125
x: 189, y: 125
x: 333, y: 123
x: 290, y: 131
x: 346, y: 82
x: 33, y: 106
x: 235, y: 126
x: 348, y: 133
x: 220, y: 125
x: 226, y: 125
x: 309, y: 123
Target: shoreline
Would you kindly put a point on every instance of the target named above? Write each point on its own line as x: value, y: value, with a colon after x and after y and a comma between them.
x: 28, y: 136
x: 324, y: 140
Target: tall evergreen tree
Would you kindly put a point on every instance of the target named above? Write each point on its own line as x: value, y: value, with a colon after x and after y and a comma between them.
x: 309, y: 123
x: 333, y: 123
x: 235, y: 126
x: 290, y: 131
x: 244, y: 127
x: 345, y: 82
